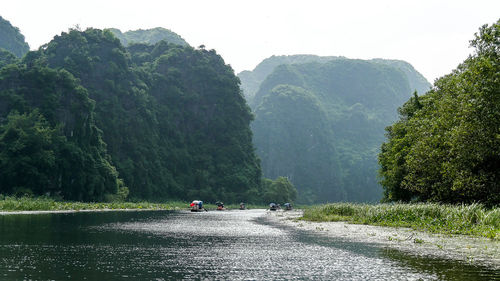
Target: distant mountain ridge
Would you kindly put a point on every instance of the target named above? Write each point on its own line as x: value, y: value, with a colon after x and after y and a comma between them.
x: 251, y: 80
x: 148, y: 36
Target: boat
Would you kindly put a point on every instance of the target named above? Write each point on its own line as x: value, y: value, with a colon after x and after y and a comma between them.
x: 220, y: 206
x: 197, y: 206
x: 288, y: 206
x: 273, y: 206
x: 242, y: 206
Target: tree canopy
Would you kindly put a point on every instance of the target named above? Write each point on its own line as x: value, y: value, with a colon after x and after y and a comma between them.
x: 446, y: 145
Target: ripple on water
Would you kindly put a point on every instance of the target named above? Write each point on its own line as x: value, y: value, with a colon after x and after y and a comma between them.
x: 231, y: 245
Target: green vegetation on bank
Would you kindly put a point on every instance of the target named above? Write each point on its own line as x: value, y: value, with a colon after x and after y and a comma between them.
x: 446, y: 146
x: 48, y: 204
x: 10, y: 204
x: 473, y: 219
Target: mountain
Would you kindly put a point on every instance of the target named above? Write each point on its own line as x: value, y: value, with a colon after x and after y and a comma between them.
x: 164, y: 120
x: 251, y: 80
x: 148, y: 36
x: 11, y: 39
x: 321, y: 122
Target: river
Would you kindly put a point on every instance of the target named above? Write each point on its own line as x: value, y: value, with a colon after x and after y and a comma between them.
x: 180, y: 245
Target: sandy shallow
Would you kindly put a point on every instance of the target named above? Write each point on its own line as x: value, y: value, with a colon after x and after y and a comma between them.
x: 480, y: 251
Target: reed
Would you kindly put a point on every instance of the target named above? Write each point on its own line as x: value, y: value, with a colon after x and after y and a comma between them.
x: 48, y: 204
x: 8, y: 203
x: 473, y: 219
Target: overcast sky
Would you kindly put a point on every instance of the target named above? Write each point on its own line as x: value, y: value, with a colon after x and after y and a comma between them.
x: 431, y: 35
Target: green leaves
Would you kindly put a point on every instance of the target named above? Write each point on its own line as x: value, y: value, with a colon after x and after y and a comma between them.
x: 445, y: 148
x: 169, y: 119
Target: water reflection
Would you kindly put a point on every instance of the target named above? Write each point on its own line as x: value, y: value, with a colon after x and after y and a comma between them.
x: 160, y: 245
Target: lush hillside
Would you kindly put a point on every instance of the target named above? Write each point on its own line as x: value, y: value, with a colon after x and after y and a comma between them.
x: 148, y: 36
x: 11, y: 39
x: 168, y: 119
x: 446, y: 145
x: 251, y: 80
x: 49, y: 143
x: 321, y: 123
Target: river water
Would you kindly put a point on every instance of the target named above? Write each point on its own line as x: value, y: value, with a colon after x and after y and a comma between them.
x: 180, y: 245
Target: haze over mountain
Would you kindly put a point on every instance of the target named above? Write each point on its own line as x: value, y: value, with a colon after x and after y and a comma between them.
x: 320, y: 120
x: 148, y: 36
x: 251, y: 80
x: 11, y: 39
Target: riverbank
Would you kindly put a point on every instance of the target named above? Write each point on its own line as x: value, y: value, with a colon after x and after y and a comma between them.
x: 474, y: 250
x: 40, y: 205
x: 12, y: 205
x: 472, y: 219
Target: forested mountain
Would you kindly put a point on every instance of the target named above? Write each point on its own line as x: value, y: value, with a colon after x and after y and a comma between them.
x: 11, y: 39
x: 446, y: 145
x: 251, y: 80
x: 148, y: 36
x: 321, y: 123
x: 165, y: 120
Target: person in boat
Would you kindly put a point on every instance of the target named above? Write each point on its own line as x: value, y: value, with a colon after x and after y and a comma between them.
x: 288, y: 206
x: 220, y: 206
x: 197, y: 206
x: 273, y: 206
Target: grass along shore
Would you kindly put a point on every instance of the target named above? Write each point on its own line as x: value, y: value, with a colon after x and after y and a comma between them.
x: 14, y: 204
x: 472, y: 220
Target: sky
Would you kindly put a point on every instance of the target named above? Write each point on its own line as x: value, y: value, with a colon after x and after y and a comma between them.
x: 432, y: 35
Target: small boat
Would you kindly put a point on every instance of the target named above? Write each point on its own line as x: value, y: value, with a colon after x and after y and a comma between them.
x: 197, y: 206
x: 242, y: 206
x: 273, y: 207
x: 288, y: 206
x: 220, y: 206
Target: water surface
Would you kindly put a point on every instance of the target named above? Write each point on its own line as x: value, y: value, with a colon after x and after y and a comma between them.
x: 228, y: 245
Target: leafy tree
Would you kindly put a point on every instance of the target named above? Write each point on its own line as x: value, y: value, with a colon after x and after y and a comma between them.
x: 7, y: 58
x: 281, y: 190
x: 27, y: 156
x: 49, y: 142
x: 445, y: 147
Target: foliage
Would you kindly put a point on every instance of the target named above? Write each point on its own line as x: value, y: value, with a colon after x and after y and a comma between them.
x: 472, y: 219
x: 49, y: 143
x: 320, y: 124
x: 11, y: 39
x: 169, y: 119
x: 280, y: 191
x: 148, y: 36
x: 7, y: 58
x: 446, y: 145
x: 10, y: 204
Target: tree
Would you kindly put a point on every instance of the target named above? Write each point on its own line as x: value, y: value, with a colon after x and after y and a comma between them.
x: 281, y: 190
x: 446, y: 145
